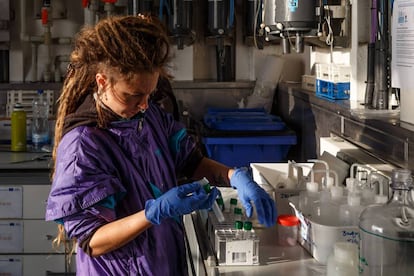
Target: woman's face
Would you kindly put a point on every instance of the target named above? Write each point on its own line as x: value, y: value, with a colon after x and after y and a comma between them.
x: 127, y: 98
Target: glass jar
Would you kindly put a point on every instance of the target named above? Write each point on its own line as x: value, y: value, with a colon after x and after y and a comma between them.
x: 387, y: 231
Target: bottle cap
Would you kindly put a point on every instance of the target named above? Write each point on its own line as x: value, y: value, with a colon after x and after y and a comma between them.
x: 288, y: 220
x: 233, y: 201
x: 237, y: 211
x: 238, y: 224
x: 220, y: 201
x: 247, y: 225
x: 207, y: 188
x: 18, y: 107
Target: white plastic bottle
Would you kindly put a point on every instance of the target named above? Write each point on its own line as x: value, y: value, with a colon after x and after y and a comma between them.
x: 349, y: 213
x: 40, y: 122
x: 344, y: 260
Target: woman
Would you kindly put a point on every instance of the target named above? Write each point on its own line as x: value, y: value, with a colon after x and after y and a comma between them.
x: 117, y: 155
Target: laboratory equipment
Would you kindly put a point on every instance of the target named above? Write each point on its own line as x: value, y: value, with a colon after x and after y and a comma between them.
x: 220, y: 27
x: 179, y: 20
x: 287, y: 230
x: 215, y: 207
x: 290, y: 20
x: 237, y: 246
x: 18, y: 128
x: 387, y: 231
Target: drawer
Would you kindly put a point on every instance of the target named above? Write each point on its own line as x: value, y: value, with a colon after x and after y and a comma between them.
x: 11, y: 265
x: 11, y: 198
x: 29, y: 265
x: 34, y: 201
x: 11, y: 236
x: 28, y: 236
x: 38, y: 236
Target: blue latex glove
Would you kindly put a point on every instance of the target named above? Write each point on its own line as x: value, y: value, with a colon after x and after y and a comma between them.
x: 249, y: 191
x: 179, y: 201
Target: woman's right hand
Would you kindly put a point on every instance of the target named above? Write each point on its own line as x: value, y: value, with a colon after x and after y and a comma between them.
x: 179, y: 201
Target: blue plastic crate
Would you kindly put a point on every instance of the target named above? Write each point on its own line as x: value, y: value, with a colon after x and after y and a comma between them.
x: 241, y: 151
x: 245, y: 119
x: 332, y: 91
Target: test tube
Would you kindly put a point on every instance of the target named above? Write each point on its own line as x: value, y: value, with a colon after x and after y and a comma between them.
x: 217, y: 212
x: 216, y: 209
x: 233, y: 204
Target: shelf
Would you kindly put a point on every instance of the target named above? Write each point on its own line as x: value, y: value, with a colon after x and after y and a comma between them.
x: 30, y: 85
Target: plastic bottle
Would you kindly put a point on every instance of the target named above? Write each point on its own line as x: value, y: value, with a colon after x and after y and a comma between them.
x: 18, y: 128
x: 343, y: 261
x: 386, y: 231
x: 349, y: 212
x: 308, y: 197
x: 287, y: 230
x: 40, y: 122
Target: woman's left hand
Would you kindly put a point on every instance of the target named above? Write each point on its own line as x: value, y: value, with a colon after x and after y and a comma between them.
x: 249, y: 191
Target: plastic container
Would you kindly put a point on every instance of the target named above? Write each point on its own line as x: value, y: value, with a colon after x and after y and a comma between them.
x: 386, y: 231
x: 343, y: 261
x: 238, y: 137
x: 242, y: 119
x: 18, y: 128
x: 241, y: 151
x: 287, y: 230
x: 319, y: 239
x: 40, y: 122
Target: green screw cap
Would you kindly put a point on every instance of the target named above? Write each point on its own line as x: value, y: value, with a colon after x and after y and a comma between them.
x: 247, y: 225
x: 238, y: 211
x: 233, y: 201
x: 207, y: 188
x: 238, y: 224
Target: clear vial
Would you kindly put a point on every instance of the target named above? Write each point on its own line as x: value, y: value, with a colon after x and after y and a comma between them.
x: 387, y: 231
x: 238, y: 230
x: 238, y: 214
x: 233, y: 204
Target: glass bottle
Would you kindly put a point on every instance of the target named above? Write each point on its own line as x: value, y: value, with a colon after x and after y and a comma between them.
x: 387, y: 231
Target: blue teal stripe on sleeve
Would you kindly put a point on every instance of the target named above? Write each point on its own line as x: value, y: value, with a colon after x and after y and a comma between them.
x: 176, y: 139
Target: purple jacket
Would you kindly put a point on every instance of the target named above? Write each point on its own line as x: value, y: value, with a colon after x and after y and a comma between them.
x: 103, y: 175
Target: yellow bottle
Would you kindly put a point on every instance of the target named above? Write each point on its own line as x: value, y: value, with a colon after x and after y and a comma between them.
x: 18, y: 128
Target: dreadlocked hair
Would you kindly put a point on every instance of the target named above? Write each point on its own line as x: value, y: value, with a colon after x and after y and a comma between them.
x: 123, y: 45
x: 120, y: 44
